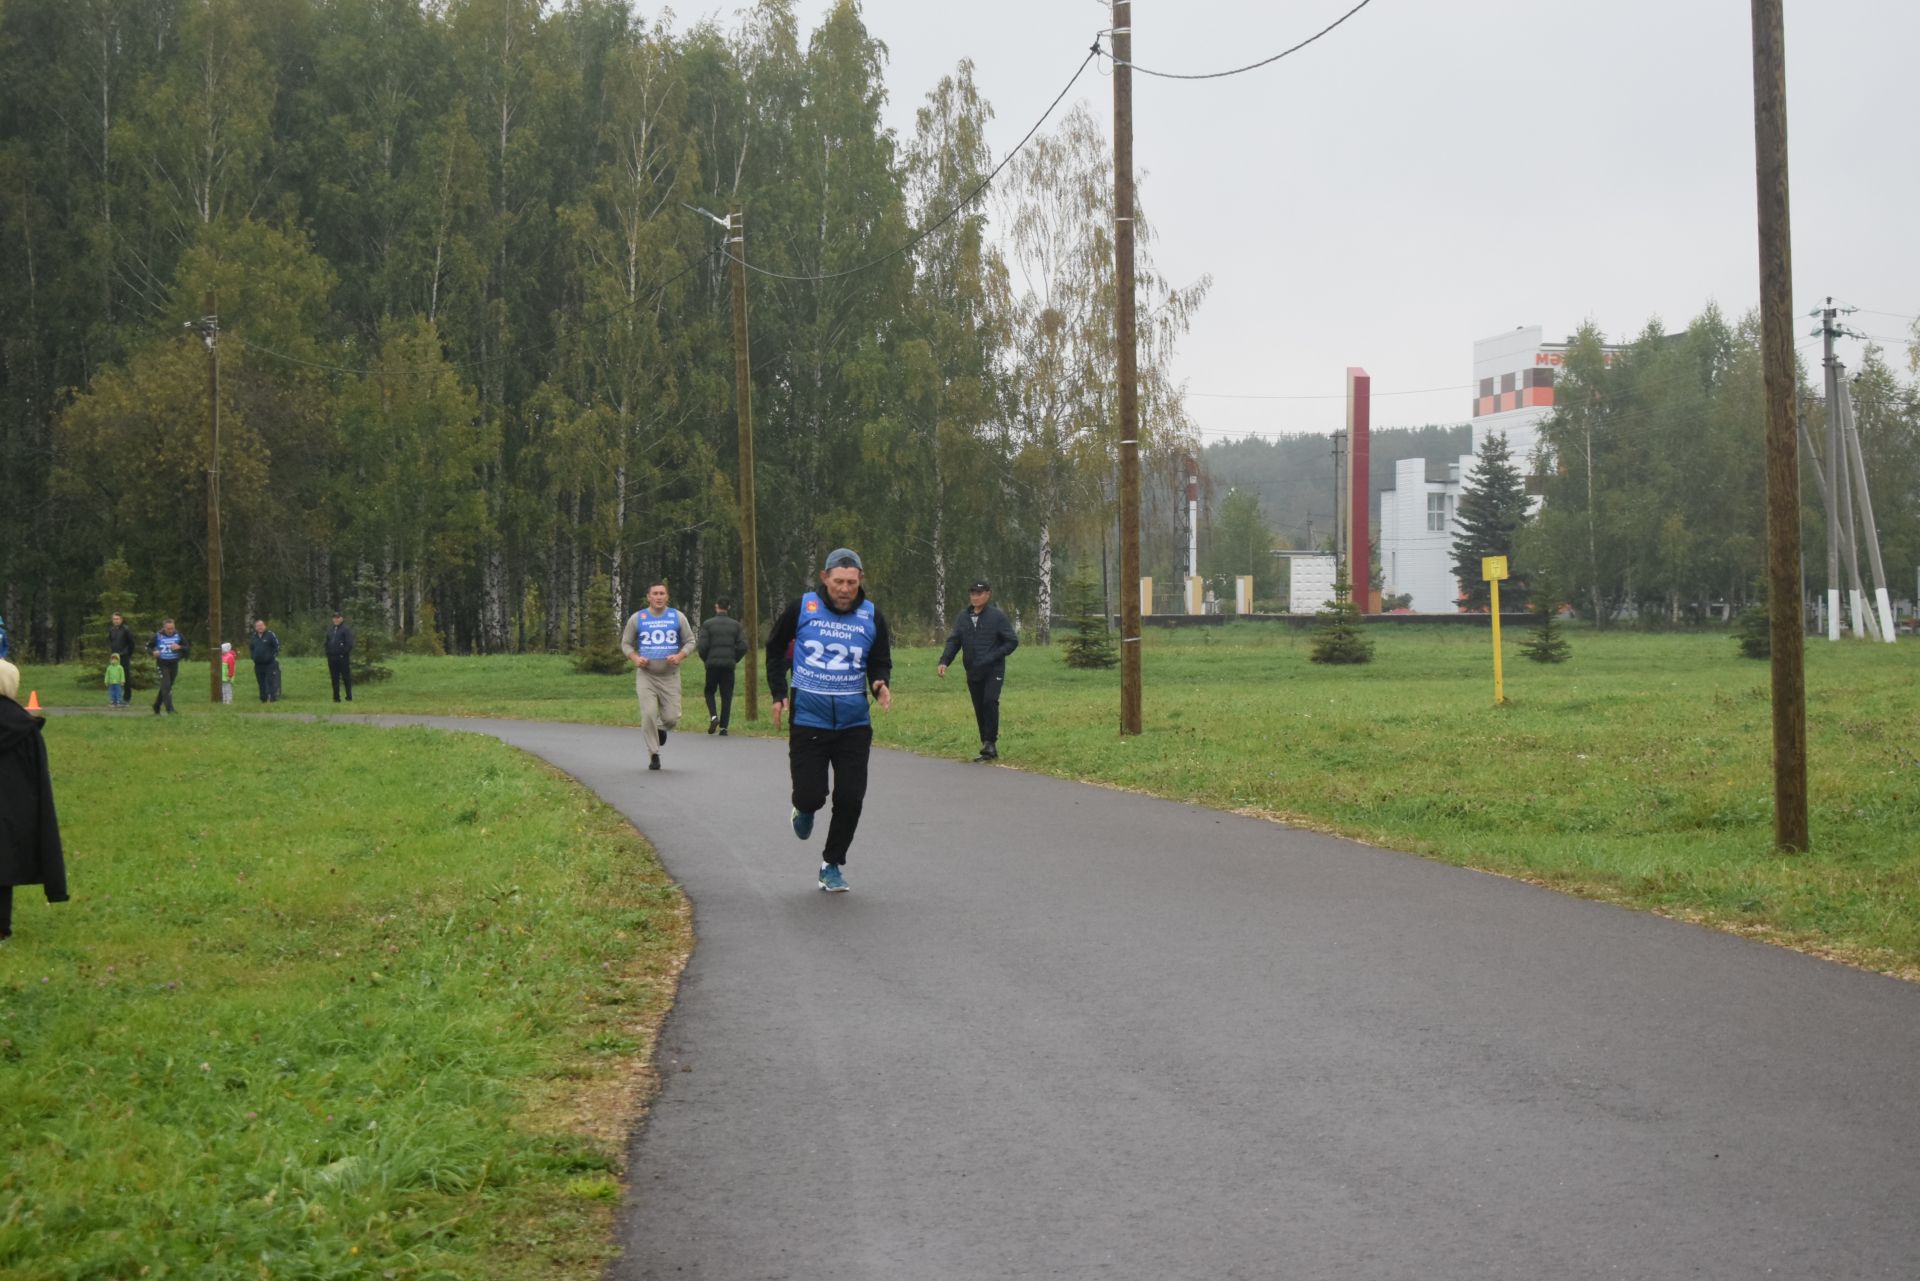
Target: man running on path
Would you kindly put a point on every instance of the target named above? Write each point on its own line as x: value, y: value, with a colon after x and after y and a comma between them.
x: 657, y: 639
x: 839, y: 649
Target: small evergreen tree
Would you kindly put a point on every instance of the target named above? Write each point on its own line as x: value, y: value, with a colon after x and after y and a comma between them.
x: 371, y: 643
x: 1092, y: 642
x: 116, y: 598
x: 1338, y: 638
x: 598, y: 653
x: 1753, y: 629
x: 1549, y: 644
x: 1493, y: 506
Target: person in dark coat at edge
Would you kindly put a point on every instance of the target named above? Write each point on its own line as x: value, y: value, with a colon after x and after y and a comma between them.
x: 722, y: 642
x: 984, y: 636
x: 120, y: 641
x: 29, y: 830
x: 339, y: 646
x: 265, y: 652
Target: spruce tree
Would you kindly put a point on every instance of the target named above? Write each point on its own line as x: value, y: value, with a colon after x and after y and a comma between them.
x: 1549, y: 644
x: 116, y: 597
x: 1092, y: 643
x: 598, y: 653
x: 1493, y: 505
x: 1338, y: 638
x: 1753, y: 629
x: 370, y: 640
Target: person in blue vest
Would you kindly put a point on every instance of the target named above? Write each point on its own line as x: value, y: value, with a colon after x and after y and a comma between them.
x: 657, y: 640
x: 837, y: 646
x: 6, y: 646
x: 169, y: 650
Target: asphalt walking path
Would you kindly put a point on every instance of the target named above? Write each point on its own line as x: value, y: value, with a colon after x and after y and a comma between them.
x: 1061, y: 1031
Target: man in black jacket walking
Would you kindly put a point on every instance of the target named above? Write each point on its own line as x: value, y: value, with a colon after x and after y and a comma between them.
x: 339, y: 647
x: 984, y: 637
x: 721, y: 644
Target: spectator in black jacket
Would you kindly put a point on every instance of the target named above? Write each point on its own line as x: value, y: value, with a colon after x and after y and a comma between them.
x: 339, y: 647
x: 984, y: 637
x: 120, y: 641
x: 265, y: 651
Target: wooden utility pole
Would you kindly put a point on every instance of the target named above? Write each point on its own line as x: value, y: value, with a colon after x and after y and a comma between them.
x: 1783, y: 463
x: 1125, y: 344
x: 743, y: 401
x: 210, y: 334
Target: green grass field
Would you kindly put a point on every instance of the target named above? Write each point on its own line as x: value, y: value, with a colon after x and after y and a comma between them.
x: 329, y: 1001
x: 1638, y: 772
x: 338, y: 1001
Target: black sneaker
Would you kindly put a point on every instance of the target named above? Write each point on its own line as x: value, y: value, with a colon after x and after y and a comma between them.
x: 653, y: 760
x: 713, y: 724
x: 723, y: 733
x: 663, y: 738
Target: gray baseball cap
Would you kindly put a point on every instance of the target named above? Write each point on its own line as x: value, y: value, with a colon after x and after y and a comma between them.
x: 843, y: 558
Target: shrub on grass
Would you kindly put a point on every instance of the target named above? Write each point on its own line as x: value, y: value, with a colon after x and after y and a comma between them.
x: 1753, y: 631
x: 598, y: 653
x: 1548, y: 645
x: 1092, y: 643
x: 1338, y: 638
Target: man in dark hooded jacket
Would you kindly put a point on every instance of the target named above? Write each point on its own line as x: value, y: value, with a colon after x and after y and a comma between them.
x: 29, y: 830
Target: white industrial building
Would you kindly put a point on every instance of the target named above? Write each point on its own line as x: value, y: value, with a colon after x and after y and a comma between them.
x: 1513, y: 377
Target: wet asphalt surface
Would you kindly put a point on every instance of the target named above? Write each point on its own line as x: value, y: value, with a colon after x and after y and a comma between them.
x: 1060, y: 1031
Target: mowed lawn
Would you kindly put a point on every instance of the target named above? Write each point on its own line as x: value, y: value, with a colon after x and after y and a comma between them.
x: 1639, y: 771
x: 329, y: 1001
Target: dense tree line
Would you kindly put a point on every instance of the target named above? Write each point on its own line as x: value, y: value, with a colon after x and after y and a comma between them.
x: 1652, y: 472
x: 474, y: 343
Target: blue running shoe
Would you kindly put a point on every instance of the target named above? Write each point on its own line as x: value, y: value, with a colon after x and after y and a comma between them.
x: 802, y: 825
x: 832, y: 880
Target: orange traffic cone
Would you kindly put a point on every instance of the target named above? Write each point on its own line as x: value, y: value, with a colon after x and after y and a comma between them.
x: 33, y: 700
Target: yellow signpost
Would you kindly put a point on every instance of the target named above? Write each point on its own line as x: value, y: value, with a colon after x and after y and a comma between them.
x: 1494, y: 570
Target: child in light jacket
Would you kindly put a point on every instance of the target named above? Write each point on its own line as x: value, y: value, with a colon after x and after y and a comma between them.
x: 116, y: 682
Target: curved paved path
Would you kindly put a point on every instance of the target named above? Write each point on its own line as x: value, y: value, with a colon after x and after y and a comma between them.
x: 1058, y: 1031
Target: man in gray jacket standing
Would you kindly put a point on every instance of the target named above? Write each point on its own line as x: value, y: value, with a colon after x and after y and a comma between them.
x: 722, y: 643
x: 984, y: 637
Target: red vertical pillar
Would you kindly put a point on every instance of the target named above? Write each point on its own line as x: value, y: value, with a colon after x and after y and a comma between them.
x: 1359, y: 522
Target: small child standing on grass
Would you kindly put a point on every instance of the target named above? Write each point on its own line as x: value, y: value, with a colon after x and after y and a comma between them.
x: 116, y: 683
x: 228, y: 661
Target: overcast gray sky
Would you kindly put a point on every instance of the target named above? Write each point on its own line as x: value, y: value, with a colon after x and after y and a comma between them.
x: 1436, y: 171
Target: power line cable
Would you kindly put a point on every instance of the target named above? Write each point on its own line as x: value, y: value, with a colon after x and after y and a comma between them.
x: 1253, y: 66
x: 945, y: 218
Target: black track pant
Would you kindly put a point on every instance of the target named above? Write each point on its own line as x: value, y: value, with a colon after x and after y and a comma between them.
x: 340, y: 669
x: 720, y: 681
x: 986, y: 706
x: 810, y: 753
x: 163, y: 695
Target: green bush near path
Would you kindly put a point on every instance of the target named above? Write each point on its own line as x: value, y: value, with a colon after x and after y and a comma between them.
x: 329, y: 1001
x: 1639, y: 771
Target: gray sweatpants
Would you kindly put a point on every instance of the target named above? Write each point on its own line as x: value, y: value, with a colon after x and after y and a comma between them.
x: 658, y: 687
